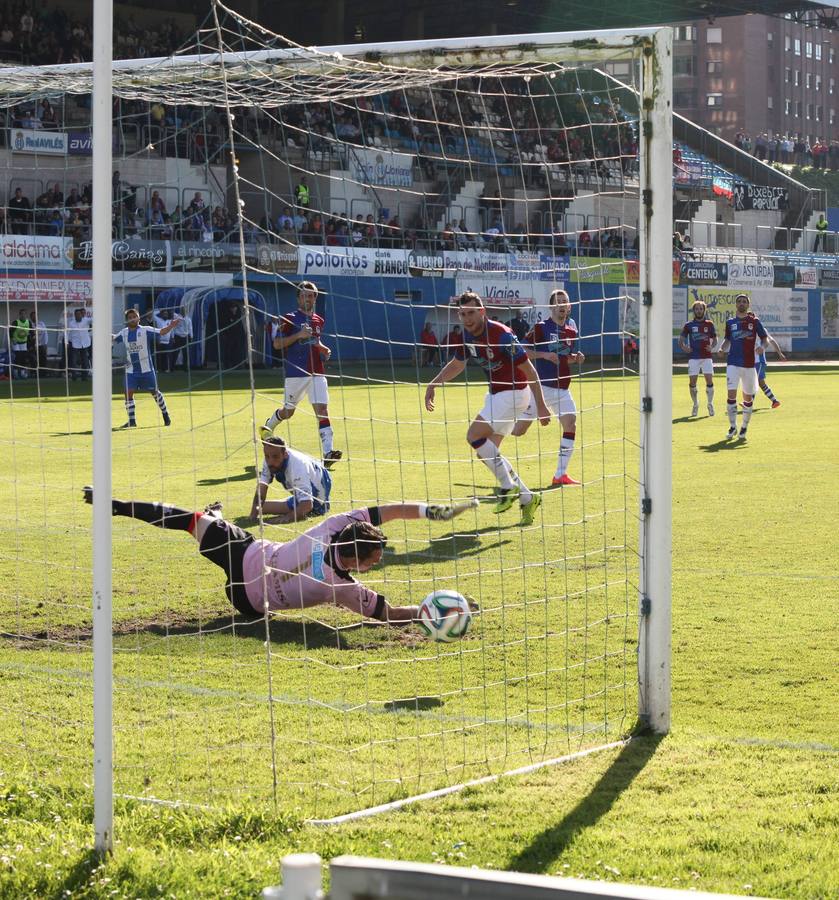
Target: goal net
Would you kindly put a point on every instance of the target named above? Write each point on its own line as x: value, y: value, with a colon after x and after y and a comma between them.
x: 394, y: 179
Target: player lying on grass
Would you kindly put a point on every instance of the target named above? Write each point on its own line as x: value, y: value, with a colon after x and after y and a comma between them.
x: 312, y: 569
x: 306, y: 478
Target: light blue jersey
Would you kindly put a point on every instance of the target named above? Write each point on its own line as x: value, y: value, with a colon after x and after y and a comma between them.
x: 305, y: 478
x: 139, y: 348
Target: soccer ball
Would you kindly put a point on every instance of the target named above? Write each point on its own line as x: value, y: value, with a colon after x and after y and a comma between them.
x: 444, y: 616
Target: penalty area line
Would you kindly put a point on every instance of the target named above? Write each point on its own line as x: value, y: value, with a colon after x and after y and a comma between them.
x: 454, y: 789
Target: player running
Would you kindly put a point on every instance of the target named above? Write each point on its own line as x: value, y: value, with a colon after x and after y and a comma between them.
x: 698, y: 338
x: 741, y: 334
x: 309, y: 482
x: 760, y: 367
x: 304, y: 355
x: 310, y: 570
x: 513, y: 383
x: 139, y: 368
x: 551, y: 345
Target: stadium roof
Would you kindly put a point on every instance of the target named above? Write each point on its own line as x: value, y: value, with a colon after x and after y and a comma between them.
x: 314, y: 21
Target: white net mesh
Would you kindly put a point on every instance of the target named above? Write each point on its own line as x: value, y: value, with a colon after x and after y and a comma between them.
x: 395, y: 184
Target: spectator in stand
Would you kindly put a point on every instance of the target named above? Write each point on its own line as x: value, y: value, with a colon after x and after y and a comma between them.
x: 678, y: 243
x: 584, y: 244
x: 47, y: 115
x: 429, y: 347
x: 164, y: 355
x: 821, y: 234
x: 181, y: 339
x: 519, y: 325
x: 7, y: 42
x: 156, y: 203
x: 20, y: 213
x: 77, y: 340
x: 285, y: 222
x: 39, y: 328
x: 302, y: 195
x: 27, y: 26
x: 357, y: 233
x: 370, y: 232
x: 453, y: 340
x: 395, y: 237
x: 19, y: 344
x: 301, y: 223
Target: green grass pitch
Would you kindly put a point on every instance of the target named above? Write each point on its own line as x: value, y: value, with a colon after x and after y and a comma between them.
x: 741, y: 796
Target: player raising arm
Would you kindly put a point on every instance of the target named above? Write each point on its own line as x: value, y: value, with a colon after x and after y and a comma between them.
x: 513, y: 382
x: 698, y: 338
x: 139, y: 367
x: 309, y: 482
x: 310, y: 570
x: 742, y: 332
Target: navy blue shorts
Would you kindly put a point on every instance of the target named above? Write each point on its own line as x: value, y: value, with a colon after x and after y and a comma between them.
x: 146, y: 381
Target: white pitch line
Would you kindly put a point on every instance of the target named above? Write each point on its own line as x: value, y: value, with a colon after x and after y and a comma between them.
x: 444, y: 792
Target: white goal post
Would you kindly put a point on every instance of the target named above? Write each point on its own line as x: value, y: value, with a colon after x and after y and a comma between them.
x: 270, y: 78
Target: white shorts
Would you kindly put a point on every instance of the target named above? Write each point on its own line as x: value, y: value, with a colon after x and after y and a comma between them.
x: 504, y: 409
x: 314, y: 386
x: 700, y: 367
x: 741, y: 375
x: 558, y: 400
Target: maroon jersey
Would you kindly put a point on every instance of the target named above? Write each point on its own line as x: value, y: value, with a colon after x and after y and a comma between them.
x: 498, y: 353
x: 548, y: 337
x: 701, y: 335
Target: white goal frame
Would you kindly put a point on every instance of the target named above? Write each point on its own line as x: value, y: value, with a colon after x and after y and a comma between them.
x: 655, y: 358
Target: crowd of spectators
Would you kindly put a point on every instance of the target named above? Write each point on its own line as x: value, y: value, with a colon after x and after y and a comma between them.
x: 41, y: 35
x: 57, y: 214
x: 790, y: 150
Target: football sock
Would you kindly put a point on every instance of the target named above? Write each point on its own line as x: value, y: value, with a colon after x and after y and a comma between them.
x: 731, y: 408
x: 566, y: 448
x: 768, y: 391
x: 274, y: 420
x: 495, y: 462
x: 158, y: 514
x: 131, y: 409
x: 325, y: 432
x: 709, y: 393
x: 161, y: 402
x: 747, y: 412
x: 693, y: 395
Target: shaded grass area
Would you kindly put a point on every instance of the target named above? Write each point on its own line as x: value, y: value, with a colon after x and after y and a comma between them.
x: 741, y: 797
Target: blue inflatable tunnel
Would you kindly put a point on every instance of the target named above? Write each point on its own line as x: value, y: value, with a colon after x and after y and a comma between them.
x: 217, y: 336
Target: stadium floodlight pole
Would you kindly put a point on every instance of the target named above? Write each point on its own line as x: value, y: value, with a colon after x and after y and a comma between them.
x: 656, y: 368
x: 103, y: 775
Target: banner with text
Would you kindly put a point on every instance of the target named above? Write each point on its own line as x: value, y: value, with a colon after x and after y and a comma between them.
x: 381, y: 167
x: 830, y: 315
x: 762, y: 197
x: 24, y: 140
x: 748, y: 275
x: 23, y: 251
x: 783, y: 312
x: 29, y: 289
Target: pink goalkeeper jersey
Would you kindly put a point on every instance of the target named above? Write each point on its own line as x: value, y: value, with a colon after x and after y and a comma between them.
x: 303, y: 573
